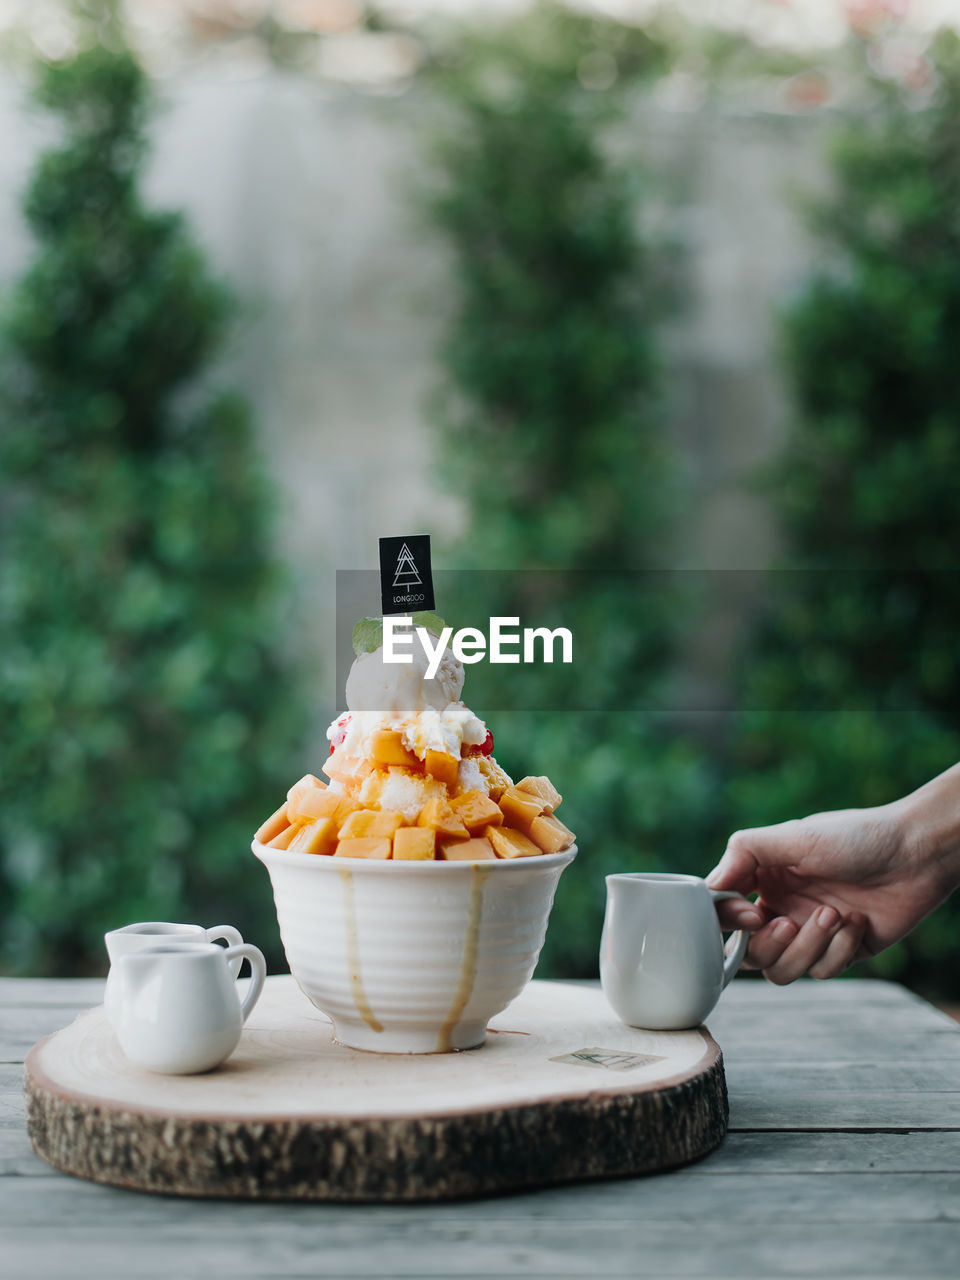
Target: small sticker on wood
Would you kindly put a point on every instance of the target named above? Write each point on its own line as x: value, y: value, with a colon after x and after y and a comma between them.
x: 611, y: 1059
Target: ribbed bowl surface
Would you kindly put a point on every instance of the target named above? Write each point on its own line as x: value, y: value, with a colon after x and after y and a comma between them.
x: 412, y: 957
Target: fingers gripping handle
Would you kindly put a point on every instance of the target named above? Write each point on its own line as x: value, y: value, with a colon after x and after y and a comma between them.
x: 741, y: 938
x: 258, y: 972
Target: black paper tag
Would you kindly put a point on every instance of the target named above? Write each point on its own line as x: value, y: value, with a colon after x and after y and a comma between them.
x: 406, y: 581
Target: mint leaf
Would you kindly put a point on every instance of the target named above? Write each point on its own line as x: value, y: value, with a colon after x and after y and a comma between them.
x: 367, y: 635
x: 431, y: 621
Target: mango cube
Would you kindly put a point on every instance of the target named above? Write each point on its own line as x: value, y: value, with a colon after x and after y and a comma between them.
x: 478, y: 849
x: 306, y: 783
x: 315, y: 837
x: 442, y: 766
x: 438, y: 815
x: 345, y: 806
x: 550, y: 834
x: 414, y: 844
x: 273, y: 826
x: 370, y: 822
x: 520, y: 809
x: 344, y: 768
x: 364, y: 847
x: 476, y: 811
x: 328, y: 804
x: 282, y: 841
x: 507, y: 842
x: 497, y: 779
x: 388, y: 749
x: 542, y: 789
x: 312, y: 802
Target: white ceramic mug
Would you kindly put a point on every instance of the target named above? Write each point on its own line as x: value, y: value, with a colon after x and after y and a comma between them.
x: 177, y: 1007
x: 153, y: 933
x: 662, y: 963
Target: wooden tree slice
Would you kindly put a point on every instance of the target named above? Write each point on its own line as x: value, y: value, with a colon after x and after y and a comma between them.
x: 560, y: 1091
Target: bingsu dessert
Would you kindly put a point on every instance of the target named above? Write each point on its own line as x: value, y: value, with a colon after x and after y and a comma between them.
x: 411, y: 774
x: 413, y: 883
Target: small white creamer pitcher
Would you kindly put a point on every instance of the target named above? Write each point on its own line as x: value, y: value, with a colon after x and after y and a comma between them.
x: 662, y: 963
x: 177, y: 1009
x: 154, y: 933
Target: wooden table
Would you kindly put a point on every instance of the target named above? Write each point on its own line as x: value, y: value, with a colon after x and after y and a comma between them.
x: 842, y: 1160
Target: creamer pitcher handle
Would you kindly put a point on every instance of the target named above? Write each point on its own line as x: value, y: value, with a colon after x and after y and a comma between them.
x: 741, y: 938
x: 258, y: 972
x: 233, y: 938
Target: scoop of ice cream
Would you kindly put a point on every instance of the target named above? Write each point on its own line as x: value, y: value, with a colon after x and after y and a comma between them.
x: 397, y: 688
x: 450, y: 676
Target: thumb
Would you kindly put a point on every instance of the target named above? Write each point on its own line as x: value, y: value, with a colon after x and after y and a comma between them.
x: 748, y: 851
x: 737, y: 869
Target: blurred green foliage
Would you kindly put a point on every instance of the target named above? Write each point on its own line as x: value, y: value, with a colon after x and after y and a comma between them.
x: 853, y: 689
x: 148, y: 720
x: 551, y: 431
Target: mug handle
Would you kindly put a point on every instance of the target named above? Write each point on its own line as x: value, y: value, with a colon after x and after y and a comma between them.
x: 741, y: 937
x: 232, y: 937
x: 258, y: 972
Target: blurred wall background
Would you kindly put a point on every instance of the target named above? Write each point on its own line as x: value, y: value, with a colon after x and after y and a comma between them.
x: 304, y: 196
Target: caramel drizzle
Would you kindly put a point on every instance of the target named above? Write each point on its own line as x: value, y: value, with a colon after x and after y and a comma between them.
x: 353, y: 951
x: 468, y: 965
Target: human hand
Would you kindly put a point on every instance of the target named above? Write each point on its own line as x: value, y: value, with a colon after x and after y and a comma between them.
x: 833, y: 888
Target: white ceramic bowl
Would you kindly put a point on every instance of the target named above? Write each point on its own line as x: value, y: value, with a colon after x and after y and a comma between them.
x: 412, y: 957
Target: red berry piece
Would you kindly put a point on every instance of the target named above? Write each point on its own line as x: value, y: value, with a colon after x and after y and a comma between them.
x: 340, y: 732
x: 485, y: 748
